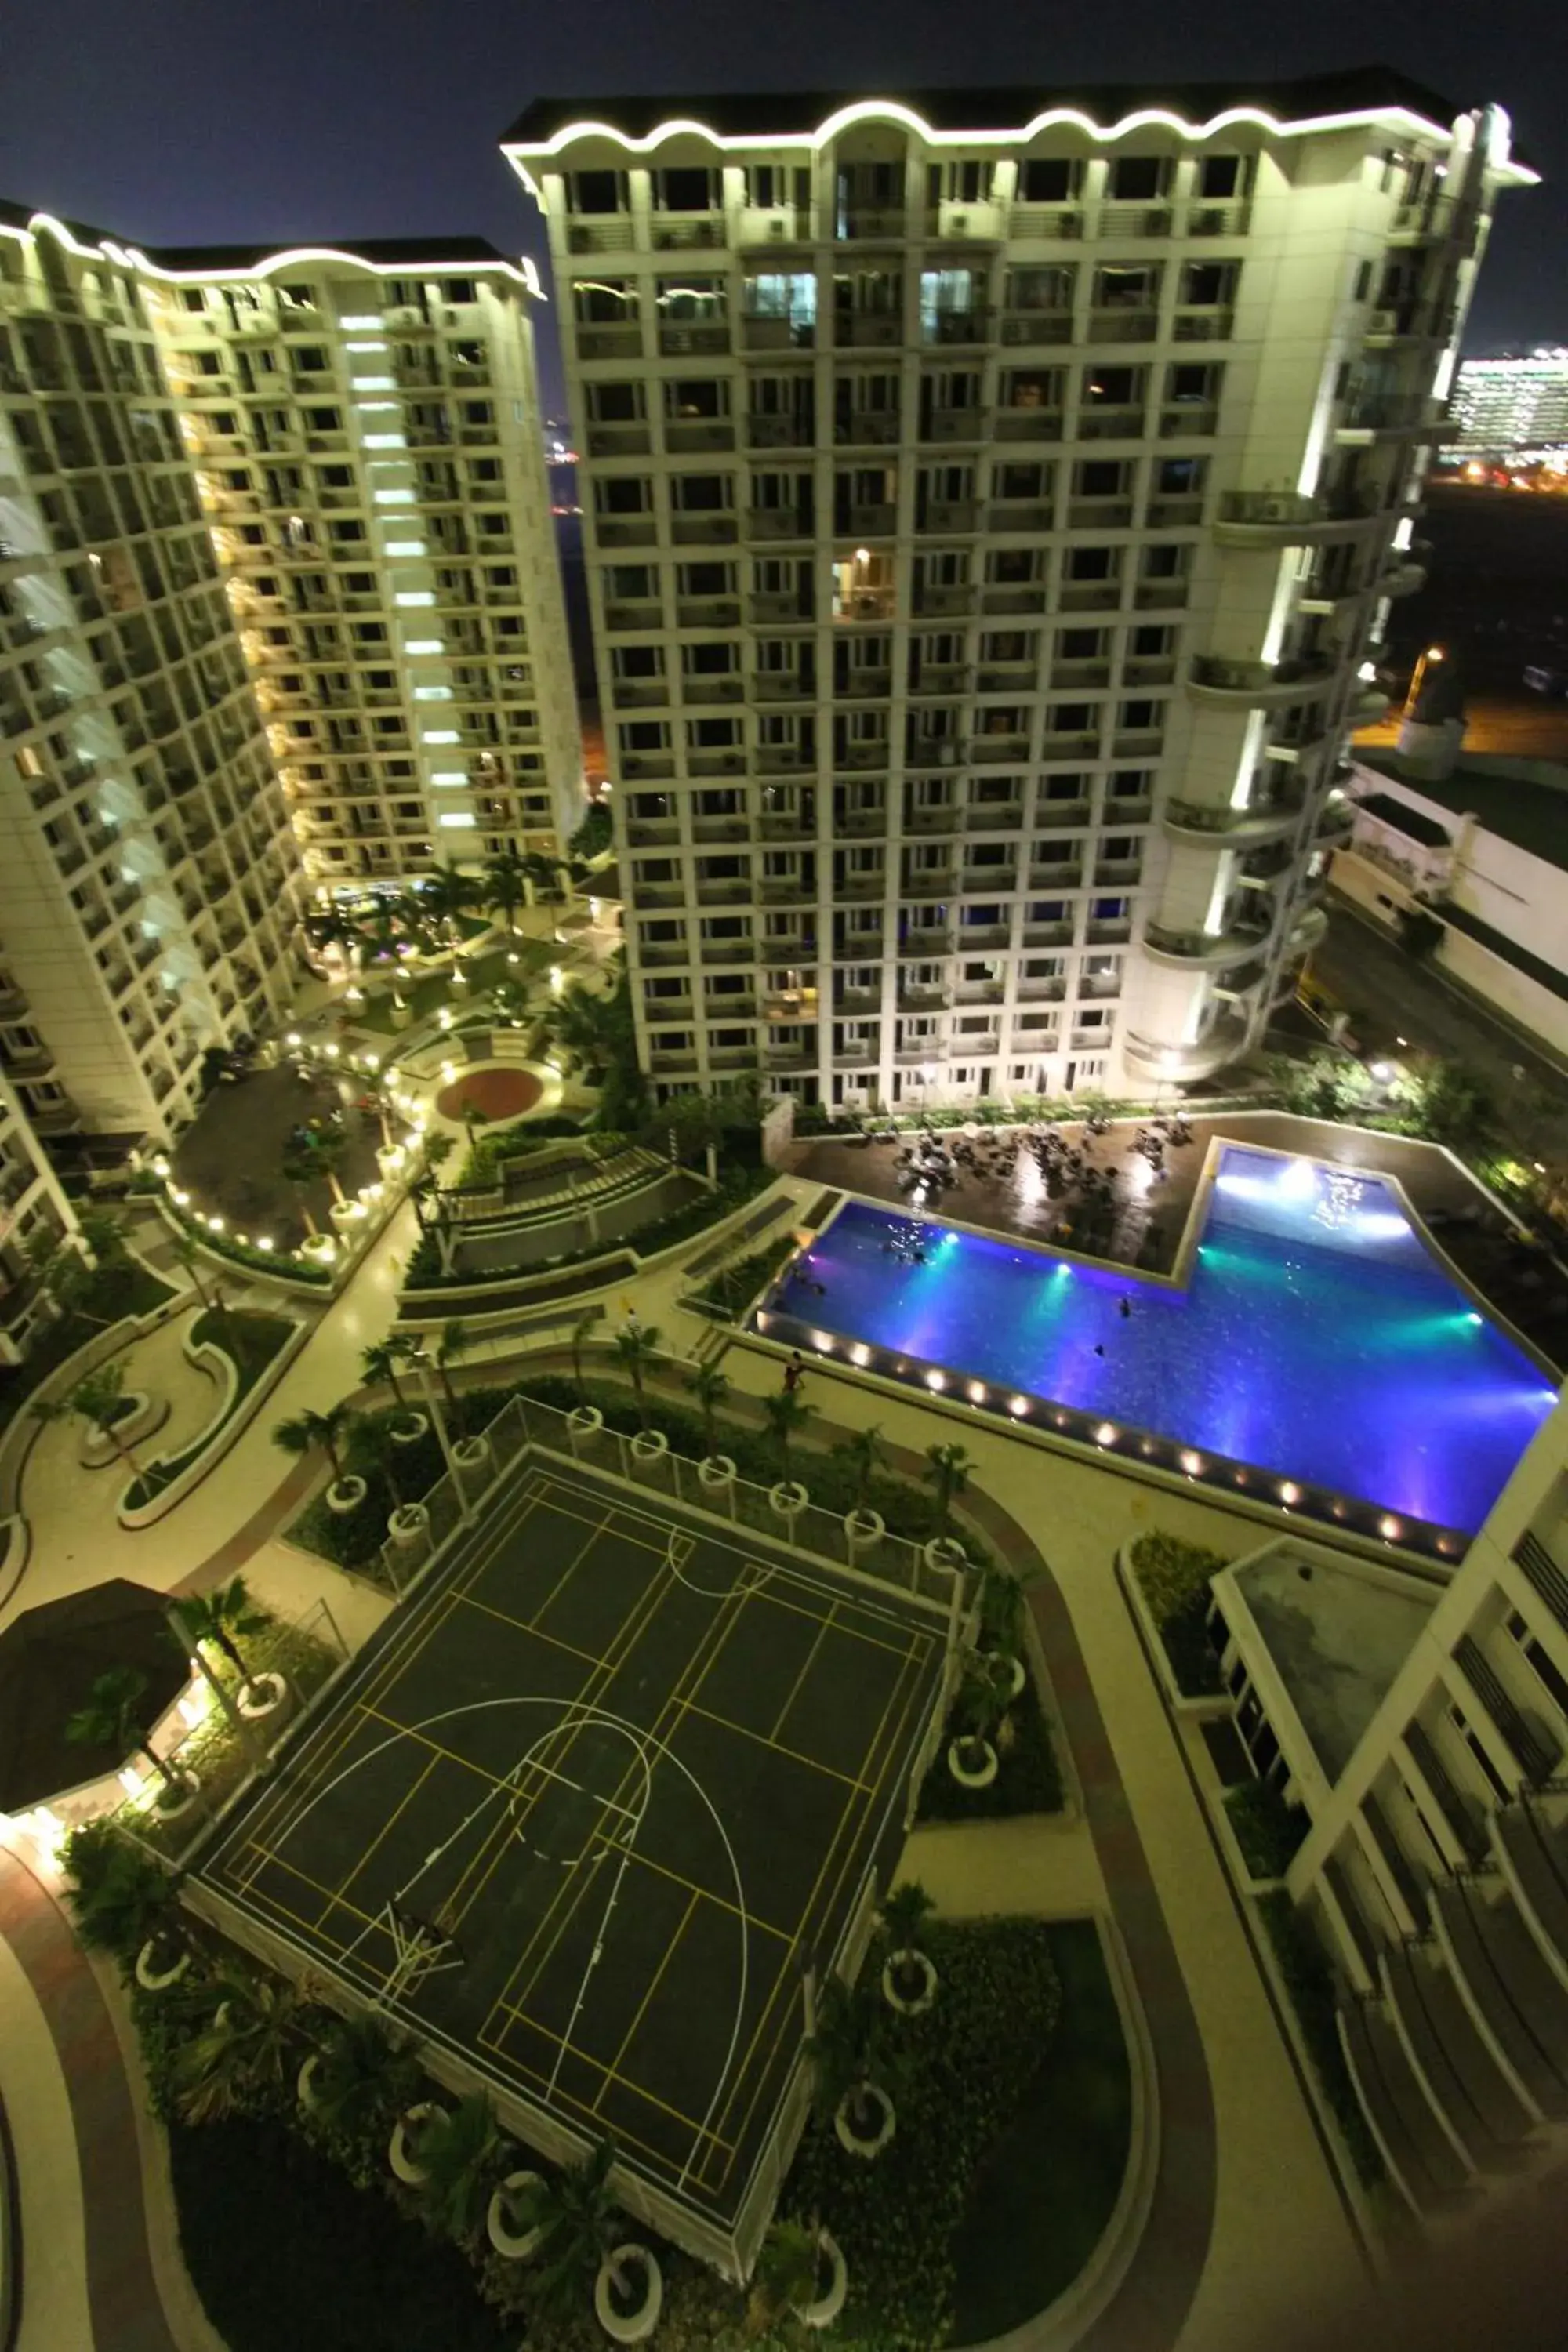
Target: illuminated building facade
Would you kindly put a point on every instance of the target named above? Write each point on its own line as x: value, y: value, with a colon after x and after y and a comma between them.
x: 990, y: 506
x: 1503, y: 405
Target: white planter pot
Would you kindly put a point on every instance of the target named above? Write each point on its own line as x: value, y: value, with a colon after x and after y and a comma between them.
x: 408, y: 1524
x: 649, y: 1445
x: 824, y: 2308
x: 1015, y: 1676
x: 638, y: 2265
x: 347, y: 1214
x: 399, y: 2154
x: 389, y: 1159
x: 788, y: 1499
x: 471, y: 1452
x: 514, y: 2246
x: 972, y: 1776
x: 267, y: 1699
x: 346, y: 1494
x: 402, y: 1013
x: 155, y: 1979
x: 583, y: 1421
x: 178, y: 1807
x: 908, y: 2004
x: 321, y: 1249
x: 305, y: 2082
x: 851, y: 2142
x: 715, y: 1471
x: 864, y: 1528
x: 409, y: 1428
x: 945, y: 1554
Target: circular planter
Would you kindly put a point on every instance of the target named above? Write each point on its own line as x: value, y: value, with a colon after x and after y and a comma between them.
x: 181, y: 1799
x: 908, y: 2004
x: 471, y: 1452
x: 305, y: 2084
x: 864, y: 1527
x: 402, y: 1013
x: 347, y: 1214
x: 649, y: 1445
x: 149, y: 1976
x: 389, y: 1159
x: 945, y: 1554
x: 867, y: 2145
x: 1009, y: 1669
x: 408, y: 1523
x: 832, y: 2282
x: 788, y: 1499
x: 409, y: 1429
x: 715, y: 1471
x: 346, y: 1494
x: 641, y: 2267
x: 584, y: 1420
x: 400, y: 2153
x: 514, y: 2245
x: 972, y: 1776
x: 264, y: 1699
x: 460, y: 982
x: 319, y: 1249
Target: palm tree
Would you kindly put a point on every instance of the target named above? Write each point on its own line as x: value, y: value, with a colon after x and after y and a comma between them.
x: 576, y: 2215
x: 1001, y: 1610
x: 444, y: 894
x: 308, y: 1429
x: 115, y: 1717
x: 324, y: 1152
x: 580, y: 1331
x: 222, y: 1619
x: 636, y: 1348
x: 948, y: 1469
x: 785, y: 2278
x: 506, y: 885
x: 248, y: 2049
x: 849, y: 2053
x: 187, y: 1256
x: 298, y: 1167
x: 379, y: 1364
x: 862, y: 1454
x: 97, y: 1399
x: 372, y: 1451
x: 787, y: 1412
x: 981, y: 1703
x: 120, y: 1896
x: 904, y: 1917
x: 363, y: 2076
x: 459, y: 2154
x: 710, y: 1386
x: 457, y: 1338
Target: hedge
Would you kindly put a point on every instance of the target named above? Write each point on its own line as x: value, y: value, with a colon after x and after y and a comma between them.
x: 1028, y: 1780
x: 1174, y: 1578
x: 1267, y: 1829
x: 1310, y: 1983
x: 735, y: 1284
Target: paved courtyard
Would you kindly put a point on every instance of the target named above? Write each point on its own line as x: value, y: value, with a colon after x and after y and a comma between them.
x: 231, y: 1160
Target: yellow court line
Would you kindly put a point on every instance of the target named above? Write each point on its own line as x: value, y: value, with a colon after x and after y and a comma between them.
x: 807, y: 1665
x: 654, y: 1982
x: 335, y: 1947
x: 715, y: 1626
x: 397, y: 1812
x: 594, y: 1532
x: 726, y: 1723
x: 622, y: 2082
x: 852, y: 1818
x: 505, y: 2060
x: 720, y: 1902
x: 849, y: 1633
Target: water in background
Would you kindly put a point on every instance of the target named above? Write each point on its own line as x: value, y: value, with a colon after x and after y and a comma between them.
x: 1317, y: 1336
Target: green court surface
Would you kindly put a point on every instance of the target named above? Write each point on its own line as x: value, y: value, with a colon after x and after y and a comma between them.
x: 586, y: 1808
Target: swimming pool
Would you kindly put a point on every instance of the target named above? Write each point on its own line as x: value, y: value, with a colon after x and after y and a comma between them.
x: 1315, y: 1335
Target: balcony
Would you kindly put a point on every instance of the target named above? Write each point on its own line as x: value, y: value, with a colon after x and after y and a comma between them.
x: 1402, y: 574
x: 866, y: 428
x: 1000, y: 816
x: 1271, y: 519
x: 930, y: 942
x: 963, y: 327
x: 936, y: 515
x: 1024, y: 327
x: 780, y: 433
x: 1255, y: 684
x: 869, y: 330
x: 999, y: 749
x: 929, y: 882
x: 1098, y: 424
x: 1203, y: 951
x: 952, y: 427
x: 1388, y: 416
x: 1230, y: 828
x: 1029, y: 424
x: 1185, y: 1063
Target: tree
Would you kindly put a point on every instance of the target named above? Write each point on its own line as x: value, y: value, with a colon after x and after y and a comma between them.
x: 446, y: 894
x: 978, y: 1710
x: 580, y: 1331
x: 785, y: 2278
x: 459, y: 2155
x: 1444, y: 1102
x: 577, y: 2216
x: 308, y: 1429
x: 363, y: 2076
x: 187, y: 1256
x: 59, y: 1266
x: 1001, y: 1610
x: 905, y: 1914
x: 787, y: 1412
x: 333, y: 929
x: 947, y: 1469
x: 298, y: 1168
x: 636, y: 1348
x: 862, y: 1454
x: 457, y: 1338
x: 594, y: 834
x: 505, y: 884
x: 324, y: 1152
x: 98, y: 1399
x: 379, y: 1364
x: 246, y: 2053
x: 221, y: 1620
x: 103, y: 1235
x: 120, y: 1896
x: 851, y: 2054
x: 710, y: 1386
x: 372, y: 1452
x: 115, y: 1717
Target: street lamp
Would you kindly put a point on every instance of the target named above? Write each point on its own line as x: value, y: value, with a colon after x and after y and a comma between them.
x: 1432, y: 653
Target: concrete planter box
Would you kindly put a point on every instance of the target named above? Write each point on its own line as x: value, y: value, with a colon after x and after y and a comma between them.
x: 864, y: 1528
x: 788, y: 1499
x: 151, y: 1975
x: 471, y: 1452
x: 649, y: 1445
x: 269, y: 1699
x: 908, y: 2004
x: 715, y: 1474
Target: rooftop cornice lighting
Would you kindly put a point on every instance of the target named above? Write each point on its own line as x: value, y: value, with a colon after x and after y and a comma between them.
x: 889, y: 110
x: 130, y: 256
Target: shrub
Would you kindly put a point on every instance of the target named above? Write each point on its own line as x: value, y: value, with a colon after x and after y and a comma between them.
x: 1267, y: 1829
x: 1174, y: 1578
x: 1310, y: 1983
x: 735, y: 1284
x: 1029, y: 1780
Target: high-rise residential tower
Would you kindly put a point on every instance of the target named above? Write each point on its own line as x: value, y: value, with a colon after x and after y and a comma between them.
x: 991, y: 501
x: 366, y: 433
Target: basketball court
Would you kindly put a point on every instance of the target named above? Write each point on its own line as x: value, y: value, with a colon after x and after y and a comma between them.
x: 586, y: 1808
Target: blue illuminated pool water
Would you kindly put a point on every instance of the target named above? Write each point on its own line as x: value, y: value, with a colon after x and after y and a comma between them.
x: 1317, y: 1336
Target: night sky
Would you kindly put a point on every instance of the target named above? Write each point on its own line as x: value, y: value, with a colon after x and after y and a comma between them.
x: 175, y: 122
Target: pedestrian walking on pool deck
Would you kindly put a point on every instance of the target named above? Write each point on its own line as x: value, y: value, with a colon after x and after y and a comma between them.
x: 794, y: 1373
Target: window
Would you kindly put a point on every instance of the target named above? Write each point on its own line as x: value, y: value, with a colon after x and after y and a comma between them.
x: 1219, y: 176
x: 597, y: 191
x: 1049, y: 179
x: 1137, y: 179
x: 688, y: 190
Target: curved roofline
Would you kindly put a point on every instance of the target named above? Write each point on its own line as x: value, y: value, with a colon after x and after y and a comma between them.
x: 197, y: 265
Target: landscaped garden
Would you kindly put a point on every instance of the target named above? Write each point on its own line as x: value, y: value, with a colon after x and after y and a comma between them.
x: 252, y: 1342
x: 87, y: 1299
x: 1173, y: 1579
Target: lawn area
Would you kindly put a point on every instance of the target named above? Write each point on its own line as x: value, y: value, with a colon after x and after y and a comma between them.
x: 1040, y: 2202
x: 433, y: 990
x: 283, y: 2249
x: 125, y: 1287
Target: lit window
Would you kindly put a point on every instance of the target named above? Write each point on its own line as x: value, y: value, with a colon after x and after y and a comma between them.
x: 458, y: 821
x: 385, y: 441
x: 406, y: 547
x: 443, y: 735
x: 372, y: 383
x: 426, y: 645
x: 350, y: 324
x: 432, y: 693
x: 393, y: 498
x: 415, y: 596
